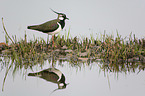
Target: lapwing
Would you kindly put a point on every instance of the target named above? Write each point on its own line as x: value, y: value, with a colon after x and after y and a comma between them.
x: 51, y: 27
x: 52, y: 75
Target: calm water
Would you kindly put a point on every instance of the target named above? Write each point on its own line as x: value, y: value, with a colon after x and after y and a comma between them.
x: 83, y: 81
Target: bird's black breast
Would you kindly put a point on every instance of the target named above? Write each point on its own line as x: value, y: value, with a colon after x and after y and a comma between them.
x: 62, y: 23
x: 62, y: 80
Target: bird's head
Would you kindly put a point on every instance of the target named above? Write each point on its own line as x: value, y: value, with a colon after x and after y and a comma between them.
x: 61, y: 16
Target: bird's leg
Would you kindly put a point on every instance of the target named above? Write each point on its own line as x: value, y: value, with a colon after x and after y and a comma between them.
x: 47, y: 41
x: 53, y: 43
x: 52, y: 40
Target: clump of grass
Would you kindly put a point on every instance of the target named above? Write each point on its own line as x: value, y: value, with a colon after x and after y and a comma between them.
x: 115, y: 51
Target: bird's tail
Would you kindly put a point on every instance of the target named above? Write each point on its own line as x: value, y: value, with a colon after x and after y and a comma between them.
x: 34, y: 74
x: 33, y: 27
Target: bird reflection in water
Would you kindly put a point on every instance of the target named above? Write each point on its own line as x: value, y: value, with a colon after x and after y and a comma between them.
x: 52, y: 75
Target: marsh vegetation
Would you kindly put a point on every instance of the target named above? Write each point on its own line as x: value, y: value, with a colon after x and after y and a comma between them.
x: 115, y: 54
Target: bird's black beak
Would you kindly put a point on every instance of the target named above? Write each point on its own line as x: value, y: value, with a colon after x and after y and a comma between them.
x: 67, y: 18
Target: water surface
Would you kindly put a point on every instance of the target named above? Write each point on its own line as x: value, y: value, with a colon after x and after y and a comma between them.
x: 83, y: 81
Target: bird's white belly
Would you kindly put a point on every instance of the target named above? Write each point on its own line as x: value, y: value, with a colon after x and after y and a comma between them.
x: 56, y: 31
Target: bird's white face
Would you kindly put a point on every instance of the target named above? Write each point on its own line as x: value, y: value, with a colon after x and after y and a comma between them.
x: 61, y: 17
x: 60, y: 86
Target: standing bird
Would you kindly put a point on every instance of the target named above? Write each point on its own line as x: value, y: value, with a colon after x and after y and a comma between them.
x: 51, y: 27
